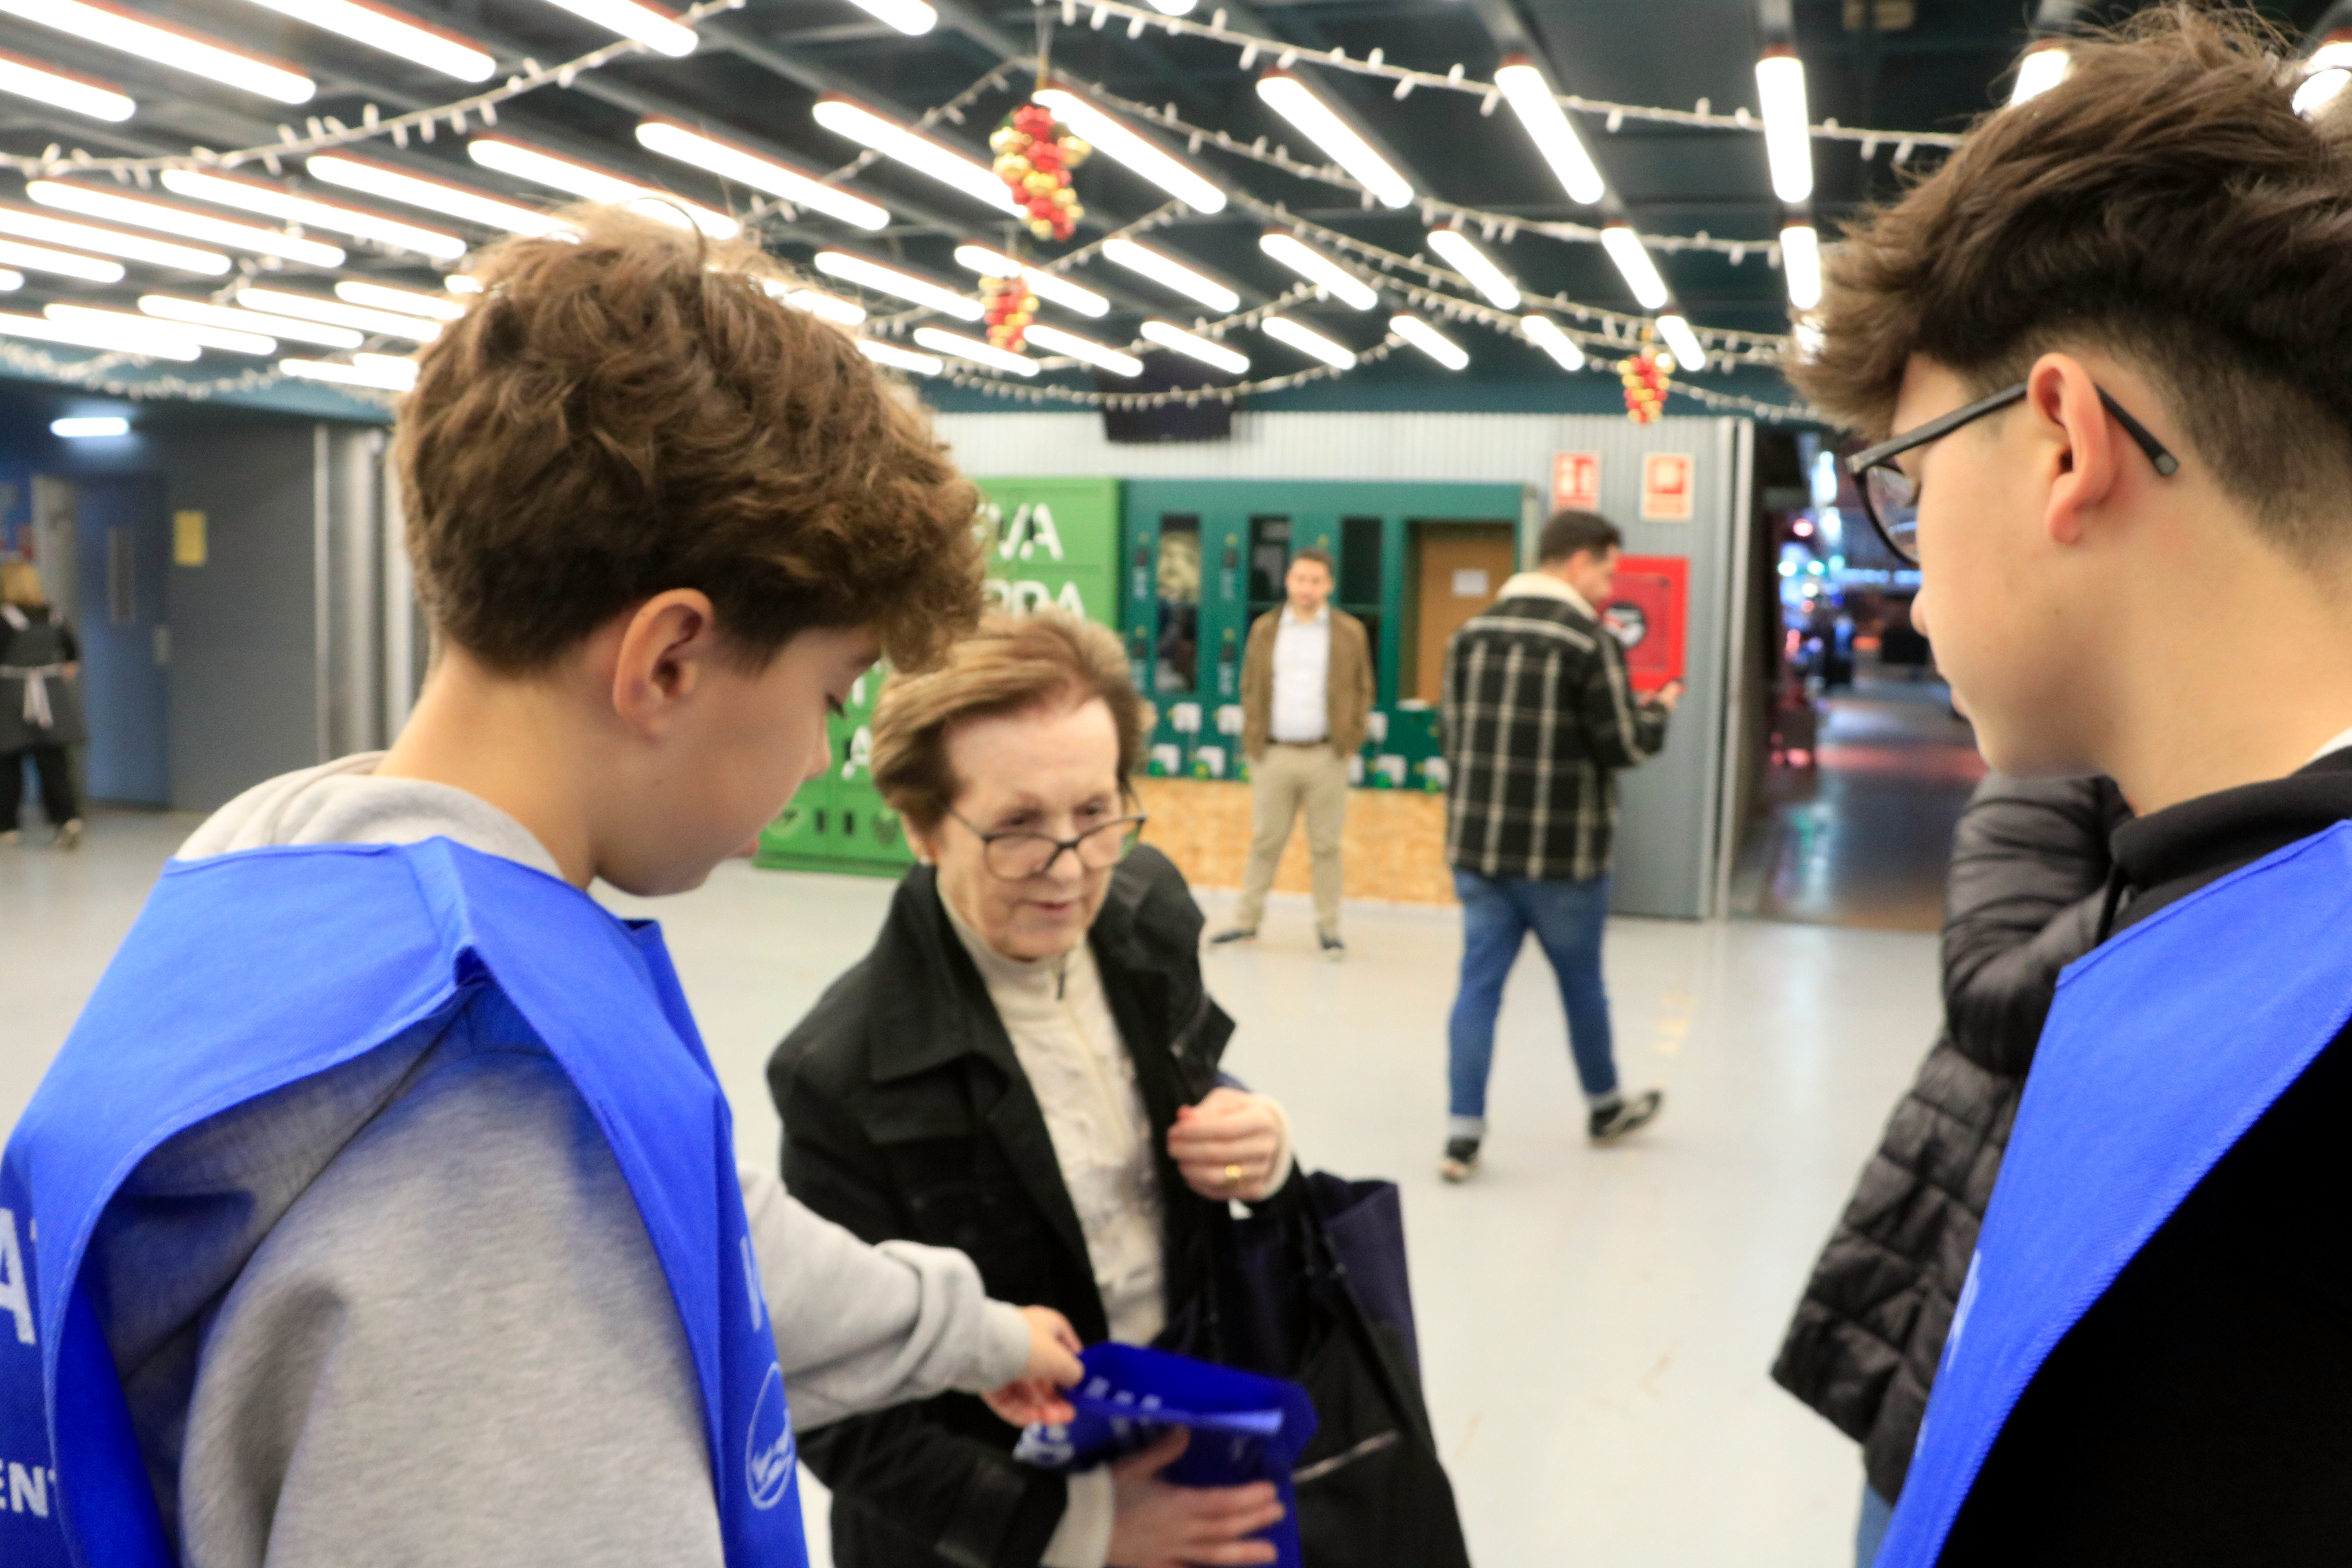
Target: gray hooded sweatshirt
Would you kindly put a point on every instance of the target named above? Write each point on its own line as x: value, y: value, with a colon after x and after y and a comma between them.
x: 405, y: 1312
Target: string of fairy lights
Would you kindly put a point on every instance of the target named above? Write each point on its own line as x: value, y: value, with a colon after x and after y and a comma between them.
x: 1453, y: 279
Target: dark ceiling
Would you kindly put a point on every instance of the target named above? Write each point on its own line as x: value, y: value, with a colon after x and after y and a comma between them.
x: 1896, y: 65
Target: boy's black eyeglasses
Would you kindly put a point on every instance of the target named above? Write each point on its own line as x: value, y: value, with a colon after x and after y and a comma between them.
x: 1890, y: 498
x: 1018, y: 856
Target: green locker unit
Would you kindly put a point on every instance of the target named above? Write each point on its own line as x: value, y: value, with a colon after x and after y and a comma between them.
x: 1204, y: 558
x: 1049, y: 543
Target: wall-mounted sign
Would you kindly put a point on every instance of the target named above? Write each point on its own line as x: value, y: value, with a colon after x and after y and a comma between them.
x: 188, y: 545
x: 1575, y: 481
x: 1666, y: 487
x: 1653, y: 594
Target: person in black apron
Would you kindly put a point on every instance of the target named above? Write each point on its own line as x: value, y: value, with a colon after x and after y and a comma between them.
x: 40, y: 703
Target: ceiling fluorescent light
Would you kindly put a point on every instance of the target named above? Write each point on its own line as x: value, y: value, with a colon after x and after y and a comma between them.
x: 579, y: 180
x: 165, y: 46
x: 1632, y: 258
x: 826, y: 306
x: 1801, y: 264
x: 1309, y: 341
x: 1788, y: 127
x: 1546, y: 124
x: 1321, y: 124
x: 200, y: 313
x: 2038, y: 69
x: 401, y: 36
x: 2319, y: 90
x: 89, y: 427
x: 233, y: 340
x: 272, y: 202
x: 64, y: 263
x: 405, y: 302
x: 1690, y: 355
x: 162, y: 342
x: 1230, y: 360
x: 459, y: 283
x: 906, y: 286
x: 382, y: 376
x: 1474, y: 264
x: 10, y: 280
x: 336, y: 313
x: 456, y: 201
x: 632, y: 20
x: 959, y: 347
x: 169, y: 219
x: 107, y: 242
x: 731, y: 163
x: 1545, y: 333
x: 1170, y: 273
x: 1052, y: 340
x: 1320, y: 269
x: 918, y: 152
x: 897, y: 358
x: 912, y: 17
x: 23, y: 79
x: 1116, y: 139
x: 1429, y: 340
x: 1045, y: 285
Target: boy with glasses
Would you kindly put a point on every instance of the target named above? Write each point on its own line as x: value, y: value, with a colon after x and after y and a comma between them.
x: 2111, y: 342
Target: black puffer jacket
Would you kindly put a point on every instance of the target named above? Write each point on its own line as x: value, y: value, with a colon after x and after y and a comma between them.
x: 2029, y: 869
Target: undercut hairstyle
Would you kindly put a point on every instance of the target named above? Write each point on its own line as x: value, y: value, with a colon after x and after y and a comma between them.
x: 1570, y: 531
x: 1013, y: 664
x: 1320, y: 556
x: 627, y: 410
x: 2164, y: 204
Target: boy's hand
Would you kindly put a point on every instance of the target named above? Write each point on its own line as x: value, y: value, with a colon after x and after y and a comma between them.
x: 1053, y: 1365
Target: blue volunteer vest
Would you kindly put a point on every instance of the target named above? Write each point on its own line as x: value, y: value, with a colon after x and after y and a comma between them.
x: 2164, y: 1047
x: 249, y: 972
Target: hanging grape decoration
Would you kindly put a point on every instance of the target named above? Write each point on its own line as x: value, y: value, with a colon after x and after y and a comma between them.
x: 1644, y: 375
x: 1011, y: 308
x: 1034, y: 154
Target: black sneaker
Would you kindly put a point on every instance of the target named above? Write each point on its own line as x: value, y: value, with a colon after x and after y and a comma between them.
x: 1461, y: 1159
x: 1238, y: 933
x: 1610, y: 1122
x: 1334, y: 950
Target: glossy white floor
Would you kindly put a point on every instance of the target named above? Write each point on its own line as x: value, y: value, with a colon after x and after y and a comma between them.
x: 1596, y: 1325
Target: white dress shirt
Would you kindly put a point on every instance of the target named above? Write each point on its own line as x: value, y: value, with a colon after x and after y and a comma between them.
x: 1302, y: 678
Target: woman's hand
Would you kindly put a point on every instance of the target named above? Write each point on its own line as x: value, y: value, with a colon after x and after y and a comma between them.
x: 1164, y: 1526
x: 1227, y: 1144
x: 1053, y: 1365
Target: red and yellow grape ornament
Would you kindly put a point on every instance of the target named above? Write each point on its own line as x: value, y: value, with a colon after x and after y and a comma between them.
x: 1034, y: 154
x: 1644, y: 375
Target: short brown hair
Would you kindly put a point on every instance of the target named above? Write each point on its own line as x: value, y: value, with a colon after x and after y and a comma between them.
x: 1012, y: 664
x: 1570, y: 531
x: 633, y: 413
x: 1320, y: 556
x: 2164, y: 203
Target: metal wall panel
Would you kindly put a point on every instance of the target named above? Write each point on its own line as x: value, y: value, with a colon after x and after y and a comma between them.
x: 1669, y: 838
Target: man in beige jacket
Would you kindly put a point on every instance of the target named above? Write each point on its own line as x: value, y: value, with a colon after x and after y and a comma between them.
x: 1307, y: 696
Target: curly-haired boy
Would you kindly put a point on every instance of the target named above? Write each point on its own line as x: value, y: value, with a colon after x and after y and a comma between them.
x: 382, y: 1207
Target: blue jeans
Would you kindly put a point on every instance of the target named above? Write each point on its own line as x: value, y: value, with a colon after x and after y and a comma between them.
x: 1870, y: 1531
x: 1567, y: 917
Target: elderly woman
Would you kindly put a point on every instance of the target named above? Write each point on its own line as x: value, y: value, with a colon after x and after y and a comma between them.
x: 1025, y: 1067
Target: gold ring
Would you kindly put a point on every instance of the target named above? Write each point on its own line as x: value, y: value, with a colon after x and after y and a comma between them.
x: 1232, y: 1175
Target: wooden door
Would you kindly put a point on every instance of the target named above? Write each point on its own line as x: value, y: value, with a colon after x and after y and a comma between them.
x: 1458, y: 570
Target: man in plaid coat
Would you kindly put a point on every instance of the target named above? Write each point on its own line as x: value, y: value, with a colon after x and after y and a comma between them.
x: 1539, y: 718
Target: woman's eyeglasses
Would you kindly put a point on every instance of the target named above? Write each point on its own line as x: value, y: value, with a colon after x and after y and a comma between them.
x: 1018, y: 856
x: 1890, y: 498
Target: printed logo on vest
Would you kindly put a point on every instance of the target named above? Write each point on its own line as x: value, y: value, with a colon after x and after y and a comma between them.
x: 768, y: 1454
